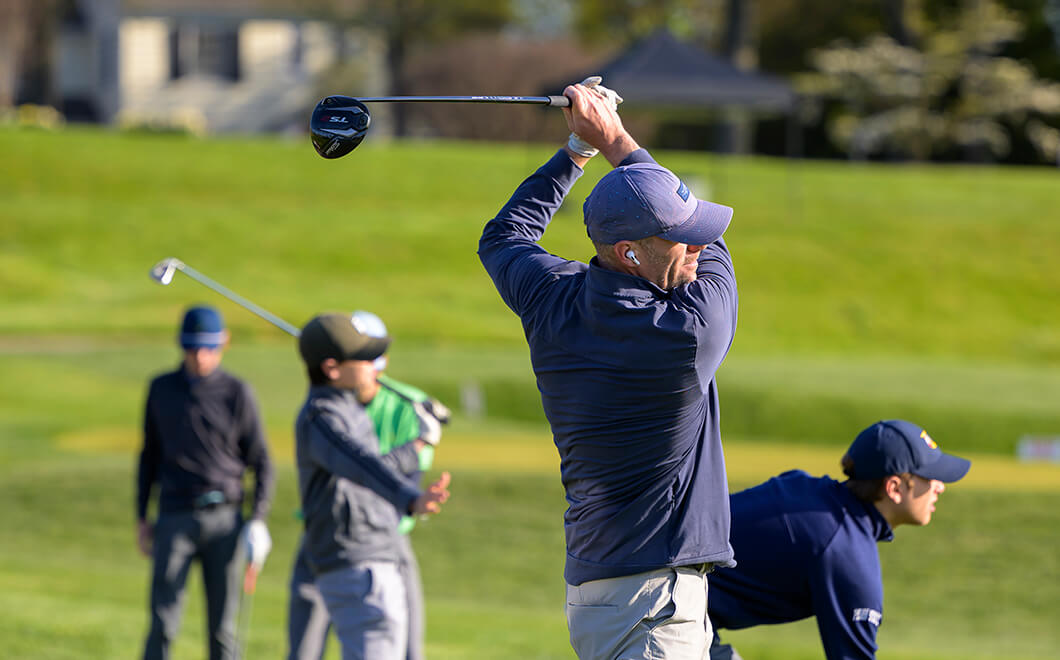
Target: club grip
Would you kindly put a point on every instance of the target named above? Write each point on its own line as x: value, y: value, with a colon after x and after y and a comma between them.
x: 250, y: 579
x: 559, y: 101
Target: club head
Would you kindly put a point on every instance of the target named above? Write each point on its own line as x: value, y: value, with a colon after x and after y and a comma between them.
x: 338, y: 125
x: 163, y: 270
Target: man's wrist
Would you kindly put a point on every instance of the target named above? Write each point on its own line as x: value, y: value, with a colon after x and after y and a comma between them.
x: 620, y: 149
x: 579, y: 146
x: 577, y: 159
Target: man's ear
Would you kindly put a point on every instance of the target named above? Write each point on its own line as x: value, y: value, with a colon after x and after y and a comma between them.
x: 620, y: 253
x: 330, y: 368
x: 892, y: 488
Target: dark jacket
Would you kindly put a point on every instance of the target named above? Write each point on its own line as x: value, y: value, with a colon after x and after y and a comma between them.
x: 200, y: 434
x: 351, y: 496
x: 806, y: 547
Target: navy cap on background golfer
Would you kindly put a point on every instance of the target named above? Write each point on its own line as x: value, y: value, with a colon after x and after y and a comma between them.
x: 640, y: 200
x: 896, y: 446
x: 203, y: 327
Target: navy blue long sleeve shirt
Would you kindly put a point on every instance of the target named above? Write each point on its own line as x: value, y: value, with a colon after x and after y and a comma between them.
x: 626, y: 375
x: 806, y: 547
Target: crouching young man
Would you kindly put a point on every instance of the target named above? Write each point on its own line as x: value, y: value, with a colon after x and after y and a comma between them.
x: 806, y: 546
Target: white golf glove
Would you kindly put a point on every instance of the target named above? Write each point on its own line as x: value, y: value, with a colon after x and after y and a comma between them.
x: 430, y: 427
x: 574, y: 142
x: 438, y: 409
x: 258, y: 542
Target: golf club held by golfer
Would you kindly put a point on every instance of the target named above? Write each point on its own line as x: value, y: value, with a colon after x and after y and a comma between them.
x: 339, y: 123
x: 163, y: 273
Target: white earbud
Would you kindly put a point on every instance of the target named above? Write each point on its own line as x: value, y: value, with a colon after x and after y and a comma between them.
x: 632, y: 256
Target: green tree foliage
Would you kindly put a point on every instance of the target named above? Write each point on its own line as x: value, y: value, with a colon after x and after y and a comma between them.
x: 953, y: 92
x: 790, y: 29
x: 424, y: 20
x: 620, y: 21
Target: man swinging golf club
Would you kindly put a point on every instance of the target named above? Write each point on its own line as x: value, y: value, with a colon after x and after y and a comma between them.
x: 625, y: 349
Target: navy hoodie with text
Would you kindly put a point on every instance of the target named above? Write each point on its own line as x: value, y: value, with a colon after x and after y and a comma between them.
x: 806, y: 547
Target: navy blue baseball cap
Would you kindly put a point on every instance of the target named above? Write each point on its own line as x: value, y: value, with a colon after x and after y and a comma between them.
x: 203, y: 327
x: 896, y: 446
x: 640, y: 200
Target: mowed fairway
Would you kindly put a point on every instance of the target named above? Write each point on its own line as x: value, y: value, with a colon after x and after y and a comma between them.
x: 866, y: 292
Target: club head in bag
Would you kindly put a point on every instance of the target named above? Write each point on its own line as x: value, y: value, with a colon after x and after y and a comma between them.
x: 338, y: 125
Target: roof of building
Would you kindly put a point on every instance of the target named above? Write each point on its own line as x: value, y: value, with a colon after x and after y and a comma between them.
x: 662, y: 71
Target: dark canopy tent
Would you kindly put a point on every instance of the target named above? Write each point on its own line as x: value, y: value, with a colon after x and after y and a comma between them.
x: 666, y: 75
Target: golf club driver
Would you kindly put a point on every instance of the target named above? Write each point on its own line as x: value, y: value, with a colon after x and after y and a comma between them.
x: 163, y: 274
x: 339, y: 123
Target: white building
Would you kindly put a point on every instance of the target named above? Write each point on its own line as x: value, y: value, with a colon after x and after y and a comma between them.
x: 218, y: 66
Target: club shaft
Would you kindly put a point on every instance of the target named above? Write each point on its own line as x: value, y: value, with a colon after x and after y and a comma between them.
x: 238, y: 299
x: 559, y: 101
x: 246, y: 602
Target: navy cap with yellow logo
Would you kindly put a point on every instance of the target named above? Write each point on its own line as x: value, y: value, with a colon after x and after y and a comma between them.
x: 895, y: 447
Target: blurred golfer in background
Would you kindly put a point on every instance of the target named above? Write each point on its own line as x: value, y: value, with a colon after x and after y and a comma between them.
x: 806, y: 546
x: 391, y: 406
x: 625, y: 349
x: 352, y: 496
x: 202, y: 430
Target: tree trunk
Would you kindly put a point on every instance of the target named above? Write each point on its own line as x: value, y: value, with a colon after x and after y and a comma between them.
x: 1051, y: 11
x: 738, y: 44
x: 396, y: 48
x: 734, y: 134
x: 896, y: 22
x: 14, y: 20
x: 34, y: 80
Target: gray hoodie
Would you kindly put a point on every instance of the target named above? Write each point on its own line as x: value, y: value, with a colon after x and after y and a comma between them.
x: 352, y: 497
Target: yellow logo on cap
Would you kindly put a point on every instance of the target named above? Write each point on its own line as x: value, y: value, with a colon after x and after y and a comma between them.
x: 928, y: 441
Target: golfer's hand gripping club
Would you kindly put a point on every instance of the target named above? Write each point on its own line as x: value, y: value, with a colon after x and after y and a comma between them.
x: 258, y: 543
x: 430, y: 425
x: 595, y: 120
x: 440, y: 411
x: 575, y: 143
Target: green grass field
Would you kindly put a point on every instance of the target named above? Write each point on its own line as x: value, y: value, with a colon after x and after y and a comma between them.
x: 866, y: 292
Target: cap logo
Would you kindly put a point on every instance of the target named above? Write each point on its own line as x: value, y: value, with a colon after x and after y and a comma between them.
x: 682, y: 191
x: 928, y: 441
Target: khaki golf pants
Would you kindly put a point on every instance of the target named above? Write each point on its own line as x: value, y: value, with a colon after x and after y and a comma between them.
x: 658, y: 615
